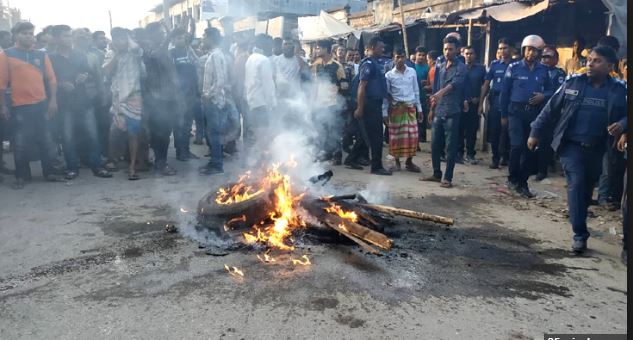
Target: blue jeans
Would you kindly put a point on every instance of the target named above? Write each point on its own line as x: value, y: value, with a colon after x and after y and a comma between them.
x: 445, y: 134
x: 74, y: 122
x: 30, y: 127
x: 215, y: 121
x: 582, y: 172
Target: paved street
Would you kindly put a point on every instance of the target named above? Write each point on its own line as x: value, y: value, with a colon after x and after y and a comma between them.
x: 91, y: 259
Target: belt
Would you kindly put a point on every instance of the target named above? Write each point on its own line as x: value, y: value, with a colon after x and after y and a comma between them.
x: 525, y: 107
x: 583, y: 144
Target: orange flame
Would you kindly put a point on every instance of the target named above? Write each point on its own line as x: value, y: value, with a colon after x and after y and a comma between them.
x: 234, y: 271
x: 305, y: 262
x: 237, y: 193
x: 267, y: 258
x: 348, y: 215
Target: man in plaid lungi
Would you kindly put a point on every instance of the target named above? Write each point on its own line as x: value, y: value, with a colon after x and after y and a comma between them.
x: 400, y: 109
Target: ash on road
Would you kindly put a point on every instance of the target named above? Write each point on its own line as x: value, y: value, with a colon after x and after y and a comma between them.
x: 91, y: 259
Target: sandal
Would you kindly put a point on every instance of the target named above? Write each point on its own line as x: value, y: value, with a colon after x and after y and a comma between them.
x: 446, y: 184
x: 413, y: 168
x: 110, y: 166
x: 19, y: 184
x: 72, y: 174
x: 134, y: 177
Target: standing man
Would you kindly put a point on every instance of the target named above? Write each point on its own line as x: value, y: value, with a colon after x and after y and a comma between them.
x: 403, y: 106
x: 557, y: 76
x: 422, y: 71
x: 259, y: 86
x: 33, y: 101
x: 526, y: 88
x: 497, y: 133
x: 290, y: 69
x: 161, y: 96
x: 469, y: 123
x: 124, y: 68
x: 76, y: 90
x: 584, y: 111
x: 446, y: 107
x: 216, y: 99
x: 185, y: 61
x: 577, y: 61
x: 372, y: 90
x: 331, y: 85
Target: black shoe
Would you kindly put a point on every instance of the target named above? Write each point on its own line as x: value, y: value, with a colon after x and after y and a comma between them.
x: 513, y: 186
x: 381, y: 172
x: 71, y: 174
x: 191, y: 155
x: 623, y: 256
x: 541, y: 176
x: 494, y: 165
x: 102, y: 173
x: 182, y: 158
x: 471, y: 160
x: 363, y: 161
x: 443, y: 159
x: 579, y: 246
x: 207, y: 170
x: 198, y: 141
x: 504, y: 162
x: 354, y: 166
x: 459, y: 159
x: 525, y: 192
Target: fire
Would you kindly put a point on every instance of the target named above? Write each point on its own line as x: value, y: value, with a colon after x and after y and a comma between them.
x: 305, y: 262
x: 266, y: 258
x: 234, y: 271
x: 348, y: 215
x: 239, y: 192
x: 282, y: 218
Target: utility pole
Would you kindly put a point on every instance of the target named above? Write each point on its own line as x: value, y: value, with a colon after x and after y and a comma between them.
x: 404, y: 29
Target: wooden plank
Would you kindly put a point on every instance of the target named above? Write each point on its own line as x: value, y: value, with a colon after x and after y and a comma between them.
x: 409, y: 213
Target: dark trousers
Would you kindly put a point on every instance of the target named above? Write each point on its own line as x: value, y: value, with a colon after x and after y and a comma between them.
x: 183, y: 125
x: 544, y: 156
x: 610, y: 184
x: 30, y: 127
x: 78, y: 122
x: 162, y: 120
x: 445, y: 134
x: 523, y: 162
x: 360, y: 148
x: 423, y: 119
x: 215, y: 119
x: 625, y: 215
x: 582, y: 172
x: 497, y: 134
x: 468, y: 126
x: 372, y: 121
x: 198, y: 117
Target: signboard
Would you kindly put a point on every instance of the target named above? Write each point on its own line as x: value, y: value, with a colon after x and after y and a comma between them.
x: 210, y: 9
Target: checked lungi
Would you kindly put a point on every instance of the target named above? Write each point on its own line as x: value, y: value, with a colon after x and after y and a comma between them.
x: 403, y: 130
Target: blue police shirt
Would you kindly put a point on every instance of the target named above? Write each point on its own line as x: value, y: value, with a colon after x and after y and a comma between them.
x: 372, y: 70
x: 474, y: 79
x: 495, y: 75
x: 186, y: 70
x: 589, y: 123
x: 557, y: 76
x: 520, y: 83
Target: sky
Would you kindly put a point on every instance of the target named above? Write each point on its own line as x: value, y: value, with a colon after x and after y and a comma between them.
x: 92, y: 14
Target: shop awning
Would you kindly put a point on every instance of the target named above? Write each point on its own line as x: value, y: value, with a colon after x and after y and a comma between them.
x: 511, y: 11
x: 323, y: 26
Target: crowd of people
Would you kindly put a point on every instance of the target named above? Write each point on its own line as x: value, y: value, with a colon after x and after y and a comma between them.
x: 73, y: 94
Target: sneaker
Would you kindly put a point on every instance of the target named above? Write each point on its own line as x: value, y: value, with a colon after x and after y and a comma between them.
x: 208, y: 170
x: 471, y: 160
x: 71, y: 174
x: 363, y: 161
x: 512, y: 186
x: 431, y: 179
x: 504, y: 162
x: 579, y: 246
x: 494, y: 165
x: 167, y: 171
x: 459, y: 159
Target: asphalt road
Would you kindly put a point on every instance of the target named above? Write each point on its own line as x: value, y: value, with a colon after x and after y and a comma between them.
x: 90, y: 259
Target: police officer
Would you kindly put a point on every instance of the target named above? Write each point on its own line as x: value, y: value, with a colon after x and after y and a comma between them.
x: 526, y: 88
x: 557, y: 76
x: 588, y: 112
x: 372, y: 90
x: 497, y: 135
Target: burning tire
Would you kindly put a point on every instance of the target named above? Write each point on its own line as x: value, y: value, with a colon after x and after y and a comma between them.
x: 208, y: 207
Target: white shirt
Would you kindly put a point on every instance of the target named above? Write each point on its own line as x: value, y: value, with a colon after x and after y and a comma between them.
x: 288, y: 75
x: 259, y: 84
x: 403, y: 87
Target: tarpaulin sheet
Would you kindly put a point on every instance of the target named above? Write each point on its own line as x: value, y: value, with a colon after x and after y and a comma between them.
x: 322, y: 26
x: 511, y: 11
x: 618, y: 22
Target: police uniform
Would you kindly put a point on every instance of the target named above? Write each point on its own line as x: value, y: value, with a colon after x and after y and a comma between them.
x: 497, y: 135
x: 372, y: 70
x: 580, y: 115
x: 518, y: 86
